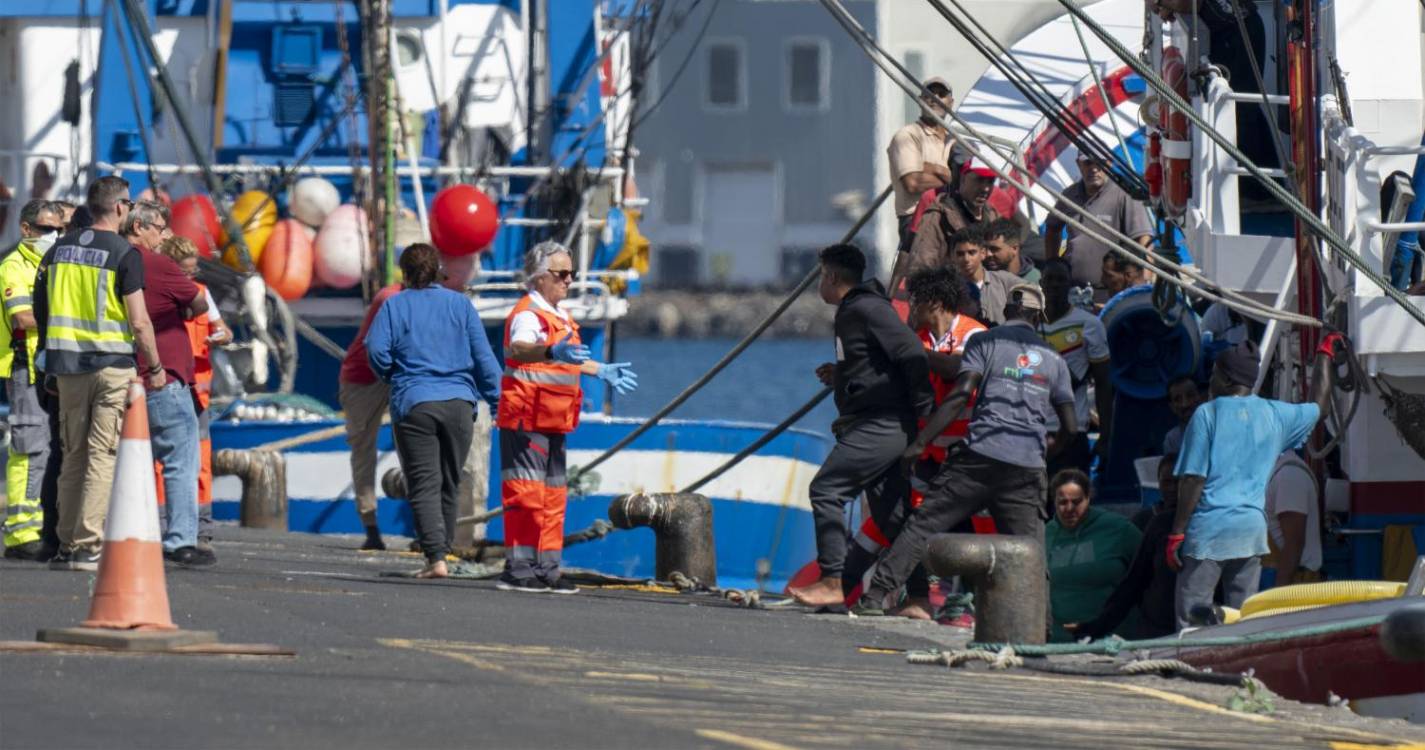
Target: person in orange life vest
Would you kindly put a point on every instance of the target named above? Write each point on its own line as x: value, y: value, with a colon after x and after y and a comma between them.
x: 204, y: 332
x: 539, y: 405
x: 936, y: 297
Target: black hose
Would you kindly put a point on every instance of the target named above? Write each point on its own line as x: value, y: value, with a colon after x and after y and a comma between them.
x: 757, y: 444
x: 733, y: 353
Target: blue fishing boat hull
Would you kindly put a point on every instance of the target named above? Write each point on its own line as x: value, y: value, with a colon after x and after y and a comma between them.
x: 761, y: 516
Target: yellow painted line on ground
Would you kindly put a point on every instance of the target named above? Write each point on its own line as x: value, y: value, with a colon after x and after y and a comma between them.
x: 751, y: 743
x: 873, y: 650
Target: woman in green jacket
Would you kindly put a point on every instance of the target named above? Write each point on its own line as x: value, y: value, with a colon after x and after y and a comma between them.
x: 1088, y: 551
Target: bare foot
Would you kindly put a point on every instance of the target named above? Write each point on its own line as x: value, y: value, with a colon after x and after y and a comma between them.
x: 434, y: 570
x: 824, y: 593
x: 917, y: 608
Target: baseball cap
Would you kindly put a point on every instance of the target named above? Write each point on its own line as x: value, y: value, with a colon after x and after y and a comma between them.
x: 1027, y: 296
x: 1239, y: 364
x: 937, y: 80
x: 977, y: 166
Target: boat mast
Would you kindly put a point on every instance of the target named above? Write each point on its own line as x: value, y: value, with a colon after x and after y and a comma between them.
x: 1301, y: 83
x: 381, y: 122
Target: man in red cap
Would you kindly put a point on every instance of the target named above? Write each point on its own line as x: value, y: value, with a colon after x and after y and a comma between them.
x: 965, y: 204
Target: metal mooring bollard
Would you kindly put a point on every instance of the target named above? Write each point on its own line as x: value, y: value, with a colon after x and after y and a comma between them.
x: 264, y: 485
x: 1011, y: 588
x: 682, y: 524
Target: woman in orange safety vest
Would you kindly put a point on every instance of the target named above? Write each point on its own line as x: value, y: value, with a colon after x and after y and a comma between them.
x: 540, y: 401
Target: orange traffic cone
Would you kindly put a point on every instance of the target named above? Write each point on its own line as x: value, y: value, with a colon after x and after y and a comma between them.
x: 131, y: 593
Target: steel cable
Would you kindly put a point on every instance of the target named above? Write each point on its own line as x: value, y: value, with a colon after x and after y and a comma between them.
x: 1301, y: 212
x: 1157, y: 263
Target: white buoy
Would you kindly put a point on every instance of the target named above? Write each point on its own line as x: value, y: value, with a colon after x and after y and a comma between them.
x: 342, y: 247
x: 312, y: 199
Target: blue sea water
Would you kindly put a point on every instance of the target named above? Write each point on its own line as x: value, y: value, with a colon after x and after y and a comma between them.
x: 768, y: 382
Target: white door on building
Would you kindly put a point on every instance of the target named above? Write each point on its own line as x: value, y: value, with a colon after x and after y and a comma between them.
x: 741, y: 222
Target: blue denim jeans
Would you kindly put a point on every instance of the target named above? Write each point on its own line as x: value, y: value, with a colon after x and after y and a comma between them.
x: 173, y: 433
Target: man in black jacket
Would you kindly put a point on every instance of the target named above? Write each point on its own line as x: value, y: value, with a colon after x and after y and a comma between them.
x: 882, y: 385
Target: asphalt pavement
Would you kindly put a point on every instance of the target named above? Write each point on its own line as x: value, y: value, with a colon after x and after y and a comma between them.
x: 386, y: 662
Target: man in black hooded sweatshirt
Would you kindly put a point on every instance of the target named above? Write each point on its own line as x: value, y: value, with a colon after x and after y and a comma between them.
x: 882, y: 384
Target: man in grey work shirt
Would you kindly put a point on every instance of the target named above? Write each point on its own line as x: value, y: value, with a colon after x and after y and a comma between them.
x: 1100, y: 197
x: 1021, y: 382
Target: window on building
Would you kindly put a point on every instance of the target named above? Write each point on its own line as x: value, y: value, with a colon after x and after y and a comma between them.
x: 678, y: 266
x: 915, y: 63
x: 808, y: 74
x: 726, y: 82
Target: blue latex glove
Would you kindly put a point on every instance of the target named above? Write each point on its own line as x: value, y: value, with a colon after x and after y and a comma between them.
x: 572, y: 354
x: 620, y: 375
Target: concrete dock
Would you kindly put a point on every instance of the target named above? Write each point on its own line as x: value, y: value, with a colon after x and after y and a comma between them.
x: 385, y: 662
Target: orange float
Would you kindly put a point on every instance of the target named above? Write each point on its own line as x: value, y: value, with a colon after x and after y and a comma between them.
x: 286, y: 261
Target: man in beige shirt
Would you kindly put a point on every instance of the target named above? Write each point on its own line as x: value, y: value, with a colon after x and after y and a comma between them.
x: 920, y: 154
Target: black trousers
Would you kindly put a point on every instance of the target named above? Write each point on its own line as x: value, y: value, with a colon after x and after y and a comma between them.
x: 966, y: 484
x: 866, y: 459
x: 49, y: 483
x: 431, y: 441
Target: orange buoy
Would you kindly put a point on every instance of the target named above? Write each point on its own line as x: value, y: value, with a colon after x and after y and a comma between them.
x: 286, y: 262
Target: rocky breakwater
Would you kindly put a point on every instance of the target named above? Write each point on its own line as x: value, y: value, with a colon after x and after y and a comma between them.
x: 724, y: 314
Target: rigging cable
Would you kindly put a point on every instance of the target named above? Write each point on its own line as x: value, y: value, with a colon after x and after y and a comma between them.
x: 1290, y: 201
x: 741, y: 346
x: 1156, y: 263
x: 1090, y: 146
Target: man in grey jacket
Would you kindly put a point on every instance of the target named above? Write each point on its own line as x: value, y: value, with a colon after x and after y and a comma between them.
x: 882, y: 385
x: 988, y: 289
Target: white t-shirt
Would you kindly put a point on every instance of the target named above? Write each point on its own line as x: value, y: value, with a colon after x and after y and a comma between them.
x: 526, y: 328
x: 1078, y: 337
x: 1292, y: 489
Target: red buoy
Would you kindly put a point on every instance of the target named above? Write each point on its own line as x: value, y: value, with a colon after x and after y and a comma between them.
x: 194, y: 217
x: 463, y: 220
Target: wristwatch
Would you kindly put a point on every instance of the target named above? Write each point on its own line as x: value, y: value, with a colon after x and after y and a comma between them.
x: 156, y: 369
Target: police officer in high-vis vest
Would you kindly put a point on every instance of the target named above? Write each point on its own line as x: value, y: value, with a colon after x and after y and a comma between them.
x: 90, y: 305
x: 539, y: 404
x: 40, y: 225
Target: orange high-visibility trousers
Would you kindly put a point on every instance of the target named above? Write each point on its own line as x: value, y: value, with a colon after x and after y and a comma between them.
x: 534, y: 492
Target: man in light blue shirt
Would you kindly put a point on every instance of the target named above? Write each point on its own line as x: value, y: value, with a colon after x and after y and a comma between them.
x: 1228, y: 451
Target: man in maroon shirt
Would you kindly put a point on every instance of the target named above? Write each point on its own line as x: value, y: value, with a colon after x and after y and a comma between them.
x: 171, y: 298
x: 364, y: 399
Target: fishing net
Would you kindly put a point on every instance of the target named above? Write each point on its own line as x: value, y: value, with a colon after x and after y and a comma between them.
x: 1406, y: 411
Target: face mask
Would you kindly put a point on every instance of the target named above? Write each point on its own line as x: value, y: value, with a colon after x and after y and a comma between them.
x: 44, y: 242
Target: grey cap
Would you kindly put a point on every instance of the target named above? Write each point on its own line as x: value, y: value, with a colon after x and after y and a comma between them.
x: 1027, y: 296
x: 931, y: 81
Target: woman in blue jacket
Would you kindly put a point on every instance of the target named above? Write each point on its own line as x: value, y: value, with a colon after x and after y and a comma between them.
x: 427, y: 342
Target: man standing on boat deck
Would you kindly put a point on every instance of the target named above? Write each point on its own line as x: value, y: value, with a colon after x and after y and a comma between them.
x: 882, y: 383
x: 1228, y: 454
x: 967, y: 204
x: 1020, y: 381
x: 1094, y: 194
x: 989, y: 290
x: 1079, y: 337
x: 539, y: 406
x: 1003, y: 239
x: 919, y: 157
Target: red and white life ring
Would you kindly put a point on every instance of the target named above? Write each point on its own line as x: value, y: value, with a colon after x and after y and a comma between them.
x: 1172, y: 144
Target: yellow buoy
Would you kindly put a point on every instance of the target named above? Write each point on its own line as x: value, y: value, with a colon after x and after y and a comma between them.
x: 256, y: 213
